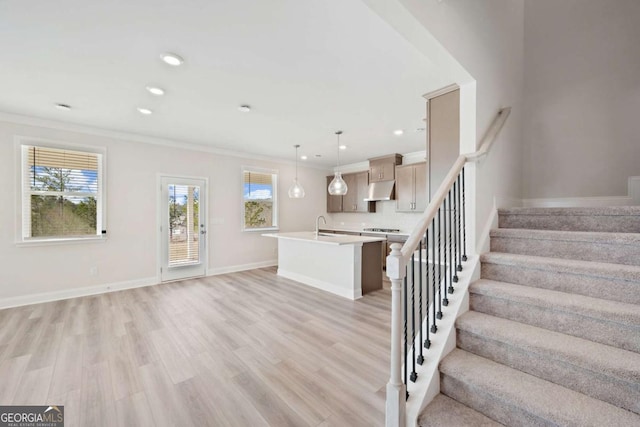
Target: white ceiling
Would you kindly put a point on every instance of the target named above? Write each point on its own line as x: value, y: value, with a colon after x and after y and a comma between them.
x: 306, y: 67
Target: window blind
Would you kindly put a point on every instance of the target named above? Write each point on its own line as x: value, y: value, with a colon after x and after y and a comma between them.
x: 184, y: 224
x: 258, y: 186
x: 62, y: 194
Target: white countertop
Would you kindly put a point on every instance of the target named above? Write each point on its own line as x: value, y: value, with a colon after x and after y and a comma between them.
x: 329, y: 239
x: 360, y: 230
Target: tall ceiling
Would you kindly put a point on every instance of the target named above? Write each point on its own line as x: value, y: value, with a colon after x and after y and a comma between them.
x: 306, y: 67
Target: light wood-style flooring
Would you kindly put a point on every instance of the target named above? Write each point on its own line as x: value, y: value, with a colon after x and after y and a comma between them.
x: 242, y: 349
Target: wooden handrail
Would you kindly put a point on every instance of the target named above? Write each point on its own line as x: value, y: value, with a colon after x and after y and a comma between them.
x: 439, y: 196
x: 490, y: 137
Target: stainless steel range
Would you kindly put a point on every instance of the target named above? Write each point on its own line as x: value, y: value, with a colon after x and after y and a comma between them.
x: 382, y: 230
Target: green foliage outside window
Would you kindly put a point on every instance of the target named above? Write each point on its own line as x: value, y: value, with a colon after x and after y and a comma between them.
x: 60, y: 215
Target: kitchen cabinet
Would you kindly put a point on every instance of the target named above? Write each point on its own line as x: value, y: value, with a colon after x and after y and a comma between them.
x: 334, y: 203
x: 411, y: 187
x: 383, y: 168
x: 353, y: 201
x: 358, y: 185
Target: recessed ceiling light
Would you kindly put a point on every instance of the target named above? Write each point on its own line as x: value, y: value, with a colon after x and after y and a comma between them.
x: 398, y: 132
x: 343, y: 147
x: 145, y: 111
x: 172, y: 59
x: 63, y: 107
x: 303, y: 157
x: 155, y: 90
x: 244, y: 108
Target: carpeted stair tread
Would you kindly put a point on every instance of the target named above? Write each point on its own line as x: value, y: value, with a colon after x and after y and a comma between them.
x: 624, y: 219
x: 515, y: 398
x: 600, y: 371
x: 610, y: 311
x: 575, y: 211
x: 614, y: 282
x: 446, y: 412
x: 570, y: 236
x: 620, y: 248
x: 630, y: 273
x: 607, y: 322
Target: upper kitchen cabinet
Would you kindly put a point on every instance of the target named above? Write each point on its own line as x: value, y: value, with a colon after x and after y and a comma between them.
x: 353, y: 201
x: 411, y: 187
x: 383, y: 168
x: 334, y: 203
x: 358, y: 188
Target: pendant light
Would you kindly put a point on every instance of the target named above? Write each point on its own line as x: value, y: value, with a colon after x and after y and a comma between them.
x: 338, y: 187
x: 296, y: 191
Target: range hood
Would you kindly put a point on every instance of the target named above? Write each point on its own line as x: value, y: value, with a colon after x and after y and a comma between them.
x: 381, y: 190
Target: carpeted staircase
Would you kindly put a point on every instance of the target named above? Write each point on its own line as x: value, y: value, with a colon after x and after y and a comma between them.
x: 552, y: 337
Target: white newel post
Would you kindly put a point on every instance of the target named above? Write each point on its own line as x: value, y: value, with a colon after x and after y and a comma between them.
x: 396, y: 389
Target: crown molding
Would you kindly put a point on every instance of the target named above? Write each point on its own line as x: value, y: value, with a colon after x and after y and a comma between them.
x: 143, y: 139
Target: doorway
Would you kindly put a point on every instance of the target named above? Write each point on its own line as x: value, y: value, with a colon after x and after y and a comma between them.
x: 183, y: 243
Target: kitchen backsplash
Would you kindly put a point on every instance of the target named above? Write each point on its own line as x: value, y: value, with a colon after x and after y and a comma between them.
x: 384, y: 217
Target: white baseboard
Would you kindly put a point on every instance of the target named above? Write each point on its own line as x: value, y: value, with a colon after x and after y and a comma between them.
x: 241, y: 267
x: 76, y: 292
x: 484, y: 238
x: 113, y: 287
x: 578, y: 202
x: 634, y: 189
x: 319, y: 284
x: 632, y: 198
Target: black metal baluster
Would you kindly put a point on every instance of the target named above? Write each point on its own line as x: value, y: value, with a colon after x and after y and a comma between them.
x: 414, y: 375
x: 445, y: 300
x: 452, y: 263
x: 406, y: 342
x: 434, y: 328
x: 464, y: 224
x: 459, y: 224
x: 421, y: 356
x: 427, y: 341
x: 456, y: 231
x: 439, y: 316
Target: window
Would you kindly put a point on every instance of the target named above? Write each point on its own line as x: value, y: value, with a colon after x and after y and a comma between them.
x: 62, y: 193
x: 259, y: 200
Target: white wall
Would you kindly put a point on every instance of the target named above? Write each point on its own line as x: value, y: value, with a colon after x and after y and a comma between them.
x: 485, y: 40
x: 129, y: 254
x: 582, y: 97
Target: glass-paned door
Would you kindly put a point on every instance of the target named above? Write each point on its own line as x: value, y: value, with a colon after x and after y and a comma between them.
x: 183, y: 230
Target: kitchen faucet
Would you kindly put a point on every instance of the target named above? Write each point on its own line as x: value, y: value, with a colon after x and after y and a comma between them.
x: 318, y: 223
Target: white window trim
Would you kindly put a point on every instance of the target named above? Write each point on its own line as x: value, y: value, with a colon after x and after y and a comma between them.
x: 276, y: 219
x: 19, y: 164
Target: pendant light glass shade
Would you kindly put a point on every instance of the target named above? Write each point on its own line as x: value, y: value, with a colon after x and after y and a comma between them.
x: 296, y: 191
x: 337, y: 187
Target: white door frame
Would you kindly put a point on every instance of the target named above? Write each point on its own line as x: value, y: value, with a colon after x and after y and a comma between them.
x: 160, y: 206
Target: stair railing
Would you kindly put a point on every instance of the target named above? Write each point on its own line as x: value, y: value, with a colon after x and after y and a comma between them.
x: 439, y: 242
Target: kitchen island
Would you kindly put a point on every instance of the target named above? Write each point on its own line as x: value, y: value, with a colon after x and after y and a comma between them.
x: 345, y: 265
